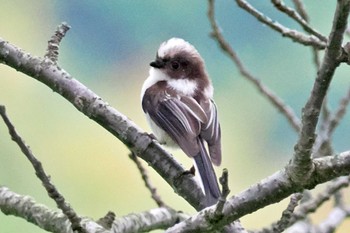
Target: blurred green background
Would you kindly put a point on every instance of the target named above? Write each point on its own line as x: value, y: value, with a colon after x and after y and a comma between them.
x: 109, y: 48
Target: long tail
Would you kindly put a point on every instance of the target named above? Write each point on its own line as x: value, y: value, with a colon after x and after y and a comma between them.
x: 207, y: 174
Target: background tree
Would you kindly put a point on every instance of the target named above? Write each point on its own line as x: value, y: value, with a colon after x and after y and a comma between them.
x: 300, y: 173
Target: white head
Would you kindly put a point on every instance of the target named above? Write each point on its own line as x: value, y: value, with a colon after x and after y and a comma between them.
x: 174, y: 46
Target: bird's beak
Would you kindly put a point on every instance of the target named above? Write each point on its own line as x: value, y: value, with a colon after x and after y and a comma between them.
x: 158, y: 63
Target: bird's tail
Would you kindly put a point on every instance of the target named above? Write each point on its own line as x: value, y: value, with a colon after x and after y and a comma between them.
x: 207, y: 174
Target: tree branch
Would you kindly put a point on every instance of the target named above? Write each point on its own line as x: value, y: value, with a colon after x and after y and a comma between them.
x: 299, y: 5
x: 54, y: 42
x: 313, y: 204
x: 301, y: 166
x: 329, y: 124
x: 292, y: 34
x: 339, y: 113
x: 160, y: 218
x: 224, y: 192
x: 334, y: 219
x: 279, y: 4
x: 25, y: 207
x: 287, y: 214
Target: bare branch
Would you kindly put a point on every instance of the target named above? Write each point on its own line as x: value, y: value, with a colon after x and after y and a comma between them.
x: 335, y: 218
x: 329, y: 124
x: 54, y: 42
x: 301, y: 166
x: 287, y: 214
x: 40, y: 215
x: 40, y: 173
x: 224, y: 193
x: 107, y: 220
x: 314, y: 203
x: 299, y: 5
x: 339, y: 113
x: 160, y: 218
x: 272, y: 97
x: 292, y: 34
x: 147, y: 182
x: 279, y: 4
x: 56, y: 222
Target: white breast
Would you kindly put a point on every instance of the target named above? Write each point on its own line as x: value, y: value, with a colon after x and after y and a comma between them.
x: 155, y: 75
x: 184, y: 86
x: 160, y: 134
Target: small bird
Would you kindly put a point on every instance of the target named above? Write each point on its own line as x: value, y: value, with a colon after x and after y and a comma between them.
x: 177, y: 101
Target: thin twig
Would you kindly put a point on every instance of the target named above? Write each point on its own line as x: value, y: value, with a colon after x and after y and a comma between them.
x: 284, y: 222
x: 147, y: 181
x: 272, y: 97
x: 329, y: 124
x: 107, y: 220
x: 299, y: 5
x: 325, y: 114
x: 323, y: 144
x: 287, y: 32
x: 287, y: 214
x: 314, y: 203
x: 334, y: 219
x: 40, y: 173
x: 340, y: 112
x: 235, y: 226
x: 224, y: 193
x: 279, y: 4
x: 54, y: 42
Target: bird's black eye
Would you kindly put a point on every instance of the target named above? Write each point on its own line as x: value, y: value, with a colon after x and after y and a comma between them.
x: 175, y: 65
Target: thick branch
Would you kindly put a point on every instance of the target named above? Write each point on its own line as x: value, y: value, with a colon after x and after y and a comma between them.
x: 301, y: 166
x: 52, y: 221
x: 116, y: 123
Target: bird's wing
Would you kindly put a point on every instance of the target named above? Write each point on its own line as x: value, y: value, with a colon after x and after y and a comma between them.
x: 181, y: 117
x: 211, y: 131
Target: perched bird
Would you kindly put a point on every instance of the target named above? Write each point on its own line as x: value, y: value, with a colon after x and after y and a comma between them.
x: 177, y: 100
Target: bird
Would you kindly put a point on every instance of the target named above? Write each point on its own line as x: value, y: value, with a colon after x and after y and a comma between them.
x: 177, y: 99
